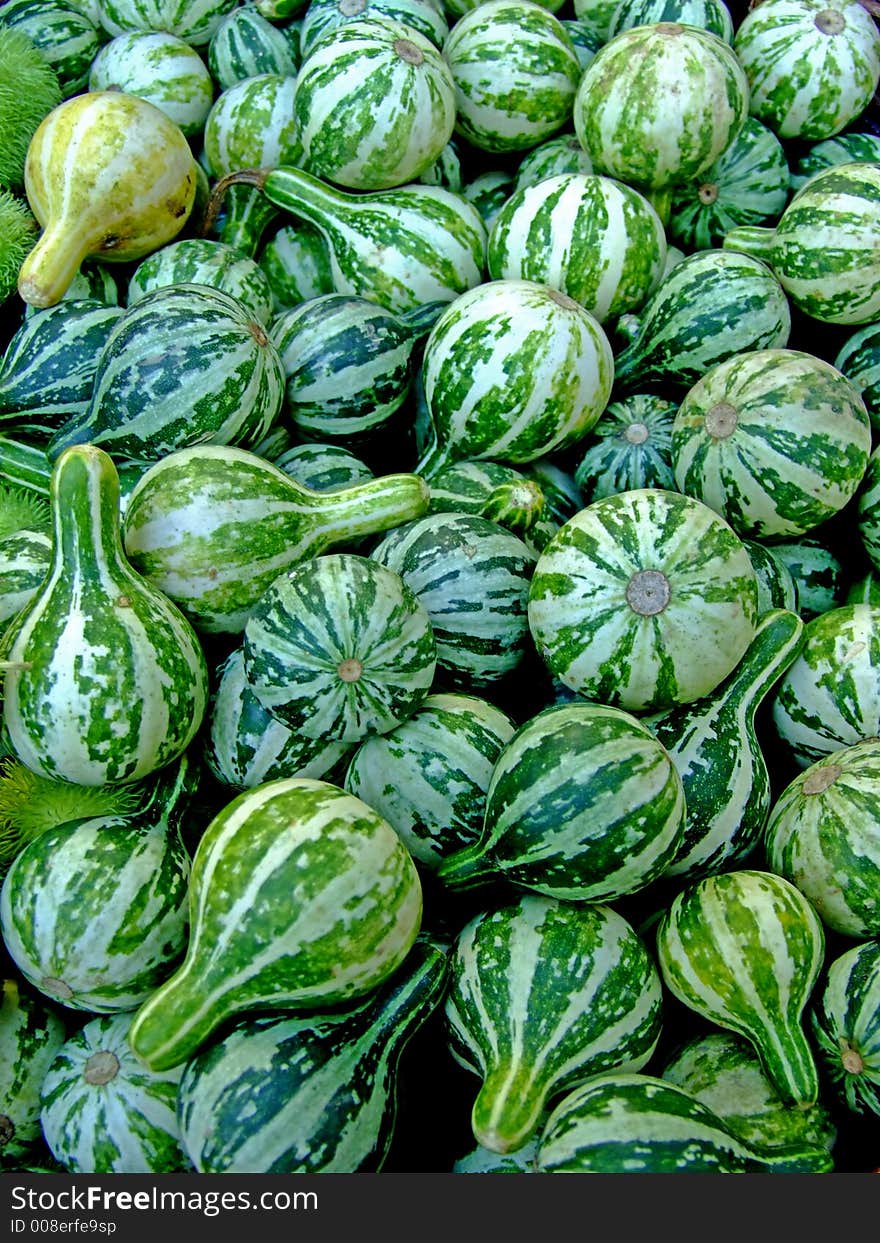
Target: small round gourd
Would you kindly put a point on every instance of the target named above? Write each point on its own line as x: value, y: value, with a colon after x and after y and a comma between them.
x: 160, y: 67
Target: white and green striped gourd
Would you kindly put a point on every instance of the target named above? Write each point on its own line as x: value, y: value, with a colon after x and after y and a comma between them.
x: 104, y: 1112
x: 472, y: 576
x: 859, y: 360
x: 504, y: 494
x: 720, y: 757
x: 204, y: 261
x: 162, y: 68
x: 194, y: 21
x: 375, y: 104
x: 543, y: 995
x: 323, y: 467
x: 245, y: 745
x: 429, y: 775
x: 301, y: 897
x: 322, y: 18
x: 31, y: 1033
x: 644, y: 599
x: 315, y: 1094
x: 844, y: 1026
x: 623, y: 801
x: 630, y: 447
x: 107, y: 680
x: 516, y: 74
x: 512, y: 370
x: 822, y: 836
x: 829, y: 697
x: 68, y: 39
x: 817, y: 571
x: 744, y: 950
x: 776, y: 587
x: 841, y: 149
x: 711, y: 15
x: 812, y: 66
x: 589, y: 236
x: 245, y: 44
x: 296, y: 261
x: 776, y: 441
x: 551, y: 158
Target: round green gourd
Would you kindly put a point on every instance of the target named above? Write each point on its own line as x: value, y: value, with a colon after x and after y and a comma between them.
x: 25, y: 557
x: 841, y: 149
x: 194, y: 21
x: 160, y: 67
x: 816, y: 570
x: 844, y: 1026
x: 551, y: 158
x: 711, y: 15
x: 68, y: 40
x: 630, y: 447
x: 204, y: 261
x: 245, y: 44
x: 31, y: 1033
x: 859, y: 360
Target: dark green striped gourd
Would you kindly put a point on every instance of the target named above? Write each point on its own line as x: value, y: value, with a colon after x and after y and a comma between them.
x: 321, y: 18
x: 543, y: 995
x: 204, y: 261
x: 31, y: 1033
x: 550, y: 158
x: 644, y: 599
x: 720, y: 757
x: 213, y: 526
x: 429, y: 775
x: 93, y: 910
x: 25, y: 558
x: 67, y: 37
x: 822, y: 836
x: 841, y: 149
x: 744, y: 950
x: 107, y: 679
x: 859, y: 360
x: 844, y: 1026
x: 301, y: 897
x: 630, y: 447
x: 296, y: 261
x: 711, y: 15
x: 776, y: 587
x: 821, y: 247
x: 246, y: 745
x: 245, y: 43
x: 777, y: 441
x: 625, y: 1123
x: 494, y: 490
x: 829, y: 697
x: 472, y: 575
x: 212, y: 375
x: 104, y: 1112
x: 723, y: 1071
x: 817, y: 571
x: 339, y: 647
x: 710, y: 306
x: 584, y: 804
x: 287, y: 1094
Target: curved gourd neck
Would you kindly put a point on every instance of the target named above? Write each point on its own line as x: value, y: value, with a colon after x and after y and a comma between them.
x: 47, y: 271
x: 178, y: 1017
x: 751, y: 239
x: 788, y: 1061
x: 778, y: 639
x: 508, y: 1108
x: 436, y: 457
x: 365, y: 508
x: 84, y: 499
x: 468, y: 867
x: 285, y: 187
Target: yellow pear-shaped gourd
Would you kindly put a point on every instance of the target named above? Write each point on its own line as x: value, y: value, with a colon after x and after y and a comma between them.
x: 109, y: 176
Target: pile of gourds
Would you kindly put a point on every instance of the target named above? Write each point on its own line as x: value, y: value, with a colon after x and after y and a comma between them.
x: 439, y: 554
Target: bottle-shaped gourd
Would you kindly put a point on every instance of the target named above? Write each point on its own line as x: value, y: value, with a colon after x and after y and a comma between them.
x: 105, y: 679
x: 108, y: 175
x: 744, y: 949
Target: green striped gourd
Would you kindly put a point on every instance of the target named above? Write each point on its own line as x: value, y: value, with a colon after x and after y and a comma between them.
x: 323, y: 467
x: 583, y: 39
x: 212, y: 374
x: 868, y: 509
x: 204, y: 261
x: 104, y: 1112
x: 429, y: 775
x: 822, y: 837
x: 162, y: 68
x: 25, y: 558
x: 307, y: 1095
x: 446, y: 169
x: 710, y: 306
x: 488, y: 192
x: 719, y: 756
x: 49, y: 367
x: 821, y: 247
x: 322, y: 18
x: 630, y: 447
x: 69, y: 40
x: 348, y: 363
x: 658, y: 104
x: 844, y: 1026
x: 711, y: 15
x: 591, y: 237
x: 747, y: 184
x: 472, y: 575
x: 126, y: 694
x: 296, y: 261
x: 339, y: 647
x: 744, y: 950
x: 624, y: 1123
x: 644, y: 599
x: 544, y: 994
x: 401, y: 247
x: 624, y: 808
x: 93, y: 911
x: 25, y: 465
x: 375, y: 104
x: 551, y: 158
x: 194, y: 21
x: 301, y: 897
x: 817, y: 571
x: 777, y: 441
x: 213, y: 526
x: 245, y: 44
x: 812, y: 67
x: 859, y: 360
x: 597, y: 14
x: 109, y: 177
x: 723, y: 1071
x: 864, y: 590
x: 246, y: 745
x: 829, y: 697
x: 516, y: 73
x: 31, y: 1033
x: 512, y: 370
x: 501, y: 493
x: 776, y: 587
x: 841, y: 149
